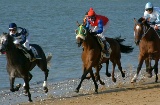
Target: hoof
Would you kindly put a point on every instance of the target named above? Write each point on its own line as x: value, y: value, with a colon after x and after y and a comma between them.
x: 88, y: 77
x: 102, y: 83
x: 96, y: 91
x: 30, y: 100
x: 133, y: 81
x: 108, y: 75
x: 76, y: 91
x: 25, y: 93
x: 45, y: 89
x: 114, y: 80
x: 123, y: 75
x: 12, y: 90
x: 17, y: 87
x: 156, y: 80
x: 149, y: 75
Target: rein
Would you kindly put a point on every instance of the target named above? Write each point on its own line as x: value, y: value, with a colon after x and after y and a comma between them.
x: 144, y: 33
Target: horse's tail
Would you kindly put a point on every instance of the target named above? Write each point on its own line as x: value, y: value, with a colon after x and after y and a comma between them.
x: 124, y: 48
x: 48, y: 59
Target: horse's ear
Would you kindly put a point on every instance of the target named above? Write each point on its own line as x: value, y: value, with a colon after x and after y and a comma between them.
x: 135, y: 21
x: 5, y: 33
x: 78, y: 24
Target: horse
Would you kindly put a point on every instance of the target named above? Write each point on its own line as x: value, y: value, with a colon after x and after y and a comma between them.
x: 19, y: 66
x: 148, y: 40
x: 91, y: 55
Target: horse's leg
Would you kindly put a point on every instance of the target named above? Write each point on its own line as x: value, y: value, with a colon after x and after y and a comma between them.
x: 107, y: 65
x: 120, y: 68
x: 95, y: 83
x: 43, y: 67
x: 156, y: 69
x: 29, y: 77
x: 82, y: 78
x: 138, y: 70
x: 149, y: 67
x: 113, y: 69
x: 26, y: 80
x: 97, y: 75
x: 45, y: 88
x: 12, y: 79
x: 147, y: 64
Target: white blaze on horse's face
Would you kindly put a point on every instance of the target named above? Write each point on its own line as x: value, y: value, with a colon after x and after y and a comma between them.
x: 2, y: 39
x: 137, y: 29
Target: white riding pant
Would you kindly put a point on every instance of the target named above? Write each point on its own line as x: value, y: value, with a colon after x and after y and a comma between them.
x: 95, y: 28
x: 26, y: 44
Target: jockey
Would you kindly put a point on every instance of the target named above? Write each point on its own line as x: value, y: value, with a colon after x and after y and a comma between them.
x: 98, y: 24
x: 152, y: 15
x: 21, y: 37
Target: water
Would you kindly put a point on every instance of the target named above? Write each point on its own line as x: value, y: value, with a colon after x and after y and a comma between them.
x: 52, y: 24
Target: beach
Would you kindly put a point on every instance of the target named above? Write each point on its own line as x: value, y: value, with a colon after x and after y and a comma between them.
x: 145, y: 92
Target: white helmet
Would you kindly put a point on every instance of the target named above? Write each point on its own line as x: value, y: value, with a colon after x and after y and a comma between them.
x: 148, y: 5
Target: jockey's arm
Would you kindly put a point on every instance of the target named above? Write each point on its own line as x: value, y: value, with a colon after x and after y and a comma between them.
x: 158, y: 19
x: 100, y: 27
x: 87, y: 24
x: 23, y: 37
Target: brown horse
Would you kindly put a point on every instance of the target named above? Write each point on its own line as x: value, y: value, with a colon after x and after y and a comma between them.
x: 91, y: 55
x: 149, y: 46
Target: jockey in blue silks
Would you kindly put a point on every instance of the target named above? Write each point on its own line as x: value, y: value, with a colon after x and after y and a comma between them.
x: 21, y: 37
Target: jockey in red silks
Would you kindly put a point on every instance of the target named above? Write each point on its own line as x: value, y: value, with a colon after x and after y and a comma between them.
x: 98, y: 24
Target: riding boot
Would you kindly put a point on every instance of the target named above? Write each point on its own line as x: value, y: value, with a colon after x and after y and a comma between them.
x: 37, y: 56
x: 32, y: 55
x: 106, y: 49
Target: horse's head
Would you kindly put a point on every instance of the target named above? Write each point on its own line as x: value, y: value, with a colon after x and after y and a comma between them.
x: 81, y: 33
x: 4, y: 42
x: 140, y: 27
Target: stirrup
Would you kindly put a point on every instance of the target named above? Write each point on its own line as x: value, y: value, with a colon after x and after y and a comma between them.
x: 107, y: 55
x: 32, y: 59
x: 37, y: 57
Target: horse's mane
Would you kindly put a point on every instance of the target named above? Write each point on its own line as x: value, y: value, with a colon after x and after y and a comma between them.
x: 142, y: 20
x: 8, y: 36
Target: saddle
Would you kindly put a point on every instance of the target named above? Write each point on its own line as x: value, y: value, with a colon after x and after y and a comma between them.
x: 26, y: 53
x: 102, y: 46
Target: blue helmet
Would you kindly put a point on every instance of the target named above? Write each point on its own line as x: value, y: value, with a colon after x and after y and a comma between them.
x: 148, y: 5
x: 12, y: 25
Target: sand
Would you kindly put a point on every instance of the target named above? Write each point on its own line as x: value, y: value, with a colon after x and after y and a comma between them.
x: 146, y: 93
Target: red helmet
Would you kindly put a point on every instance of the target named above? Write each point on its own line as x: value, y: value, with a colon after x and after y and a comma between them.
x: 91, y: 12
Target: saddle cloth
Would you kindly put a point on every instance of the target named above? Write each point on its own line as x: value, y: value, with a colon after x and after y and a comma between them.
x: 25, y: 51
x: 102, y: 46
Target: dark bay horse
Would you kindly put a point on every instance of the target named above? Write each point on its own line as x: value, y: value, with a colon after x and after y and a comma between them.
x: 149, y: 47
x: 91, y: 55
x: 18, y: 66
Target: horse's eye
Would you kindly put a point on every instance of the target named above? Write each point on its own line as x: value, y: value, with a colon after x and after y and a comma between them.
x: 84, y: 31
x: 76, y: 32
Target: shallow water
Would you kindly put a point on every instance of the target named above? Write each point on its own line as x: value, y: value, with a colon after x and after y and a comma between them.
x: 52, y: 24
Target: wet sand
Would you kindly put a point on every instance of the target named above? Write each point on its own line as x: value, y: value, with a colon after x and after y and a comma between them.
x: 145, y: 92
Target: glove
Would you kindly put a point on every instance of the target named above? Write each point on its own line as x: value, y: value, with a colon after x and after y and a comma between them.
x: 87, y: 24
x: 94, y: 33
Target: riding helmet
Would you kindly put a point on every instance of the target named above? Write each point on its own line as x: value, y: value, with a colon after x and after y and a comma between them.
x: 148, y: 5
x: 12, y: 25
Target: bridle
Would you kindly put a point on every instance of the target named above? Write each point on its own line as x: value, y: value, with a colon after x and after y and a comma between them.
x: 144, y: 31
